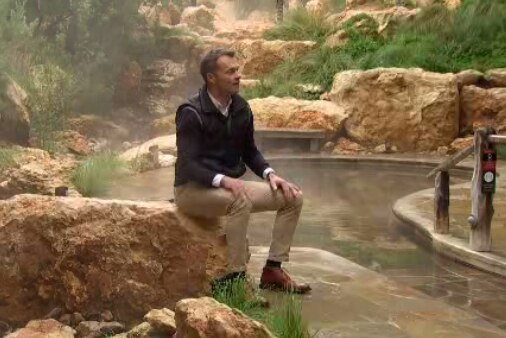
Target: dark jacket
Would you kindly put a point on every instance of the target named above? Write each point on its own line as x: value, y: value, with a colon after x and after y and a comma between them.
x: 208, y: 143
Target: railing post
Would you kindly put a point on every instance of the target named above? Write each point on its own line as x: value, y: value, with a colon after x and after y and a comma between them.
x: 482, y: 207
x: 442, y: 203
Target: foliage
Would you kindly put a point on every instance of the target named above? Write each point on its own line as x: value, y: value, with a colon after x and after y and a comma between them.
x: 438, y: 39
x: 94, y: 176
x: 285, y: 321
x: 7, y: 159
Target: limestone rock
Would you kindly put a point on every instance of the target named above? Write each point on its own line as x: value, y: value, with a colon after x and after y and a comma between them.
x: 142, y: 330
x: 347, y: 147
x: 206, y: 318
x: 300, y: 114
x: 128, y: 85
x: 249, y: 83
x: 407, y: 108
x: 161, y: 84
x: 461, y: 143
x: 200, y: 19
x: 469, y: 77
x: 75, y: 142
x: 166, y: 144
x: 91, y: 254
x: 47, y: 328
x: 260, y: 57
x: 162, y: 320
x: 163, y: 125
x: 497, y: 77
x: 482, y: 108
x: 92, y: 329
x: 337, y: 39
x: 14, y: 115
x: 93, y: 126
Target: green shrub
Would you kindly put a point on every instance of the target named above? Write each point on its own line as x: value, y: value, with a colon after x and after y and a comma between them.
x: 7, y: 159
x: 94, y: 176
x: 287, y: 321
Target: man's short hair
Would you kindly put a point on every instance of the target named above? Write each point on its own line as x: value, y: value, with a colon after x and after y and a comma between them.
x: 209, y: 61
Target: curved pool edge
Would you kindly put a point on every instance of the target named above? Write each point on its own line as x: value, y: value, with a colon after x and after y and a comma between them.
x: 406, y: 209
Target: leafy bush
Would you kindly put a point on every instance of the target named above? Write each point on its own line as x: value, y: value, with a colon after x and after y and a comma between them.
x: 94, y: 176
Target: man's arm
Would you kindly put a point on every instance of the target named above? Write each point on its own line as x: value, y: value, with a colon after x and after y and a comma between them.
x: 189, y: 140
x: 252, y: 156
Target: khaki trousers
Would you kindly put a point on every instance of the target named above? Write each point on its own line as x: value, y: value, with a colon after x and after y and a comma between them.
x: 199, y: 201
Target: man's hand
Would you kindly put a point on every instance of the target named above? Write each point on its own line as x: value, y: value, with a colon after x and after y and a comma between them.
x: 290, y: 190
x: 236, y: 186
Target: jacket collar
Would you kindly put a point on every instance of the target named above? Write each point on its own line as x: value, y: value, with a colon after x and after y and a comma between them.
x: 208, y: 107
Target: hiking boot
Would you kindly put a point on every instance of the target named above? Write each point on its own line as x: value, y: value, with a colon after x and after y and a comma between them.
x: 277, y: 279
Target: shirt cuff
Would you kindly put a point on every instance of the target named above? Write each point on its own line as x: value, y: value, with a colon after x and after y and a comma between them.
x: 267, y: 172
x: 217, y: 180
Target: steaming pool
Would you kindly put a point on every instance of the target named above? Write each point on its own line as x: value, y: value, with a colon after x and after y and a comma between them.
x: 347, y: 211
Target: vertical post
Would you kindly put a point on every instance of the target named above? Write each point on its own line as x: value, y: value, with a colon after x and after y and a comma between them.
x: 442, y: 203
x: 482, y: 209
x: 314, y: 145
x: 279, y: 10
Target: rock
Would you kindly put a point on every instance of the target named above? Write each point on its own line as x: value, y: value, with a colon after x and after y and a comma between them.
x: 347, y: 147
x: 469, y: 77
x: 47, y: 328
x: 249, y: 83
x: 91, y: 329
x: 100, y: 144
x: 54, y: 313
x: 150, y: 11
x: 76, y: 319
x: 91, y: 254
x: 309, y: 88
x: 351, y: 4
x: 36, y: 172
x: 409, y: 108
x: 443, y: 150
x: 166, y: 144
x: 164, y: 126
x: 328, y: 147
x: 161, y: 86
x: 128, y: 85
x: 66, y: 319
x: 174, y: 13
x: 106, y: 316
x: 200, y: 19
x: 75, y: 142
x: 453, y: 4
x: 162, y: 320
x: 482, y: 108
x: 460, y: 144
x: 5, y: 329
x: 318, y: 7
x: 14, y: 115
x: 140, y: 331
x: 167, y: 160
x: 206, y: 318
x: 497, y: 77
x: 381, y: 149
x: 337, y: 39
x: 260, y: 57
x: 301, y: 114
x: 93, y: 126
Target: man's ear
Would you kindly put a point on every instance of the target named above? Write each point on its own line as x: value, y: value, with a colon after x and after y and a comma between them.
x: 211, y: 77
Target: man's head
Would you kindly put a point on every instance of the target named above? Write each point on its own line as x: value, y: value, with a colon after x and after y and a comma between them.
x: 220, y: 70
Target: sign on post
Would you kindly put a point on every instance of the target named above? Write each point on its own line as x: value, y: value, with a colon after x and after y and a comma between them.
x: 489, y: 159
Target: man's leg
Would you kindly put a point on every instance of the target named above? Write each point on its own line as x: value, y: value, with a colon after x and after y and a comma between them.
x: 287, y: 217
x: 199, y: 201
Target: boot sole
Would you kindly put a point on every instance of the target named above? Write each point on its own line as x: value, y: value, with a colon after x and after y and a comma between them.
x: 274, y: 287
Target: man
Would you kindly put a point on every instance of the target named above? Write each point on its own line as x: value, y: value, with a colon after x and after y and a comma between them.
x: 214, y: 143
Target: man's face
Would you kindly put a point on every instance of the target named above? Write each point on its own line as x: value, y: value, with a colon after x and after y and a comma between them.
x: 226, y: 78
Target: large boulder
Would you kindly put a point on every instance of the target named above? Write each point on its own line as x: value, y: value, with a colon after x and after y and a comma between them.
x: 36, y: 172
x: 299, y: 114
x: 14, y: 115
x: 207, y: 318
x: 199, y: 19
x: 48, y: 328
x: 497, y: 77
x: 163, y: 87
x: 88, y: 255
x: 411, y: 109
x: 260, y: 57
x: 93, y: 126
x: 482, y: 108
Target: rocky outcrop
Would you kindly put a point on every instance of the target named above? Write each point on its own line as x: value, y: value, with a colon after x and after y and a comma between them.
x: 347, y: 147
x: 36, y: 171
x: 163, y: 320
x: 128, y: 85
x: 14, y: 115
x: 163, y: 87
x: 48, y: 328
x: 90, y: 255
x: 166, y: 144
x: 469, y: 77
x: 93, y: 126
x: 163, y: 126
x: 482, y: 108
x: 199, y: 19
x: 411, y: 109
x: 260, y: 57
x: 206, y: 318
x: 294, y: 113
x: 319, y: 7
x: 75, y: 142
x: 497, y: 77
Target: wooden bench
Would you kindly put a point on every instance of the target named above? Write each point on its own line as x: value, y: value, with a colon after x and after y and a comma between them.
x: 314, y: 136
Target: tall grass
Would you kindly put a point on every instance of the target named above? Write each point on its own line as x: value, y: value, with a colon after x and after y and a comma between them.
x: 438, y: 39
x: 7, y: 159
x: 94, y: 176
x: 300, y: 24
x: 285, y: 321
